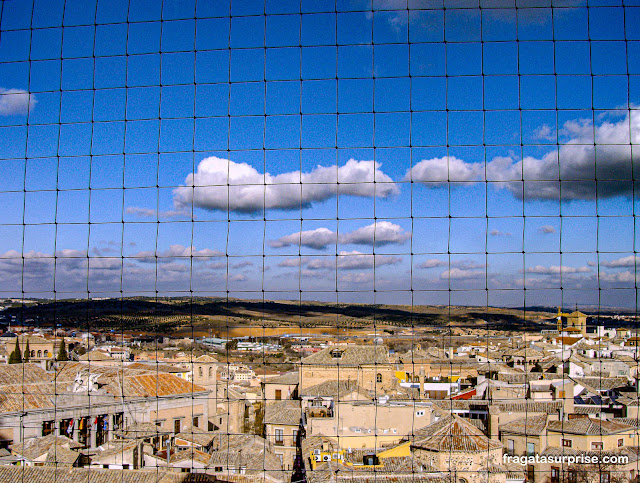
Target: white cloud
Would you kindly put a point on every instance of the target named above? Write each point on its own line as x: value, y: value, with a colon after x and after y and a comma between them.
x: 220, y: 184
x: 557, y: 269
x: 16, y: 101
x: 460, y: 264
x: 319, y: 238
x: 624, y: 262
x: 547, y: 229
x: 461, y: 274
x: 544, y: 132
x: 384, y: 232
x: 433, y: 263
x: 149, y: 213
x: 344, y: 261
x: 448, y: 168
x: 604, y: 151
x: 499, y: 233
x: 621, y: 277
x: 178, y: 251
x: 357, y: 277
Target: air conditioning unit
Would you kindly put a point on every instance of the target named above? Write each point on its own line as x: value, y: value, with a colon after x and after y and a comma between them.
x: 318, y: 457
x: 326, y: 457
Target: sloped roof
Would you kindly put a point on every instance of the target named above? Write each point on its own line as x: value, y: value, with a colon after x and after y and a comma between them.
x: 453, y: 434
x: 247, y: 450
x: 206, y: 358
x: 330, y: 389
x: 196, y: 435
x: 61, y: 455
x: 44, y: 474
x: 588, y: 426
x: 285, y: 412
x: 288, y: 379
x: 530, y: 425
x: 34, y: 448
x: 22, y: 374
x: 95, y: 356
x: 352, y: 355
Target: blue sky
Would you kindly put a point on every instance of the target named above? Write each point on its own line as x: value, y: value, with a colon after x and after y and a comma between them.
x: 275, y: 141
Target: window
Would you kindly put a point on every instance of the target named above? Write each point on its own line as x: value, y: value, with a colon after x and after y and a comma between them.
x: 280, y: 457
x: 176, y: 426
x: 279, y: 437
x: 200, y: 371
x: 572, y: 476
x: 510, y: 445
x: 278, y: 394
x: 378, y: 377
x: 531, y: 449
x: 48, y: 427
x: 597, y: 446
x: 218, y: 469
x: 196, y: 421
x: 46, y: 353
x: 620, y: 443
x: 210, y: 372
x: 555, y: 474
x: 39, y: 354
x: 566, y: 443
x: 295, y: 436
x: 420, y: 413
x: 33, y: 353
x: 605, y: 477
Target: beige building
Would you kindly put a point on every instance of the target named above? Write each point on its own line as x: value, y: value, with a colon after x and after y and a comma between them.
x: 587, y: 434
x: 368, y: 365
x: 41, y: 350
x: 87, y: 403
x: 281, y: 387
x: 372, y: 424
x: 454, y: 445
x: 282, y: 421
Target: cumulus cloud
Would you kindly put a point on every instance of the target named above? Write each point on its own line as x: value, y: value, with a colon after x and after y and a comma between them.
x: 384, y: 233
x: 16, y: 101
x: 499, y: 233
x: 620, y: 277
x: 544, y: 132
x: 547, y: 229
x: 178, y: 251
x: 460, y: 264
x: 344, y: 261
x: 557, y: 269
x: 319, y: 238
x: 357, y: 277
x: 461, y: 274
x: 221, y: 184
x: 603, y: 151
x: 149, y: 213
x: 624, y: 262
x: 433, y: 263
x: 436, y: 171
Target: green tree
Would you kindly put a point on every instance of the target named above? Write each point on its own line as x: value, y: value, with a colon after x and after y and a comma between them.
x: 62, y: 353
x: 27, y: 352
x: 16, y: 356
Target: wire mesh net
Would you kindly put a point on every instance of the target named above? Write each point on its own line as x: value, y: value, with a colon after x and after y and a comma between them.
x: 367, y: 240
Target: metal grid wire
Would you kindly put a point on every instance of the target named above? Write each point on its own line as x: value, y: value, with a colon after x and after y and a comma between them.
x: 409, y: 175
